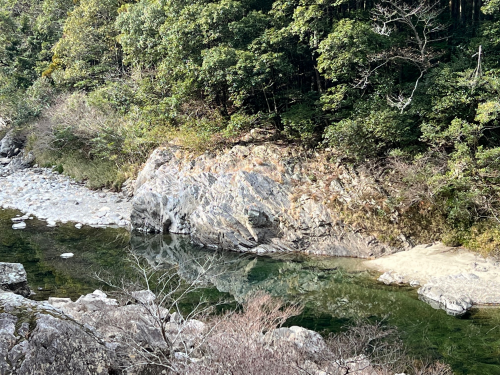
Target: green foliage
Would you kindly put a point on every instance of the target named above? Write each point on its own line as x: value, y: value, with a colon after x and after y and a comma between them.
x: 345, y: 49
x: 370, y: 133
x: 240, y: 122
x: 301, y: 121
x: 116, y: 78
x: 89, y: 53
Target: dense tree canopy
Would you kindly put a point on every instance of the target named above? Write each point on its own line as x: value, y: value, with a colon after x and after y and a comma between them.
x: 373, y: 79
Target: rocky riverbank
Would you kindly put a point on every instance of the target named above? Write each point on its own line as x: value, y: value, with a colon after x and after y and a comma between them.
x: 453, y: 279
x: 260, y: 198
x: 98, y: 335
x: 50, y: 196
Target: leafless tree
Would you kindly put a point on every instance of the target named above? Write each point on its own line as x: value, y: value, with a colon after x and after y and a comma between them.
x: 422, y: 22
x: 164, y: 335
x: 238, y: 342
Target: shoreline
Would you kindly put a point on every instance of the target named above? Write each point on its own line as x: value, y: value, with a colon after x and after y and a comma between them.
x: 453, y: 279
x: 56, y: 198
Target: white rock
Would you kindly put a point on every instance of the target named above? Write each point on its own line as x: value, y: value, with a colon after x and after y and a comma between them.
x: 20, y: 225
x: 67, y: 255
x: 144, y: 296
x: 78, y: 225
x: 414, y: 283
x: 391, y: 278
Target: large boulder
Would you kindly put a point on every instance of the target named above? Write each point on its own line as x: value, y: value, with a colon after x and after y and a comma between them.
x: 302, y: 338
x: 456, y: 294
x: 11, y: 144
x: 247, y: 199
x: 439, y: 298
x: 13, y: 278
x: 37, y: 339
x: 132, y: 325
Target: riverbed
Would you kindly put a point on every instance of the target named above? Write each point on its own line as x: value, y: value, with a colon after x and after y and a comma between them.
x: 336, y: 292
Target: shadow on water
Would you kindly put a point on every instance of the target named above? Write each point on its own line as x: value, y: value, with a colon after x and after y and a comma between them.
x: 335, y: 291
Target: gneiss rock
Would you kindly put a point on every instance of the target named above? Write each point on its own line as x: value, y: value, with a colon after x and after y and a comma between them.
x: 131, y: 323
x: 13, y: 278
x: 303, y: 338
x: 389, y: 278
x: 37, y: 339
x: 237, y: 201
x: 458, y: 293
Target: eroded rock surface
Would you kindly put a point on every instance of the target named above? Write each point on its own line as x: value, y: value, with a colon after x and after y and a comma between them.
x: 458, y: 293
x: 11, y: 144
x: 257, y: 199
x: 37, y: 339
x: 452, y: 279
x: 13, y: 278
x: 132, y: 327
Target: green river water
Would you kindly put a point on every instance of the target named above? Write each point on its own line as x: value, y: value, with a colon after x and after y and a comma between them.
x: 334, y: 291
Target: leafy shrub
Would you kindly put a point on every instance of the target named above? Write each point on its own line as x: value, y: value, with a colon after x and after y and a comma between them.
x: 301, y: 121
x: 369, y: 135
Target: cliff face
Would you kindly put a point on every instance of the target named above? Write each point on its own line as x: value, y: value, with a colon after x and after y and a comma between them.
x: 259, y: 199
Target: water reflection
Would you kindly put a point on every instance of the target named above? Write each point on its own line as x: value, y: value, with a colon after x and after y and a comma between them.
x: 335, y: 291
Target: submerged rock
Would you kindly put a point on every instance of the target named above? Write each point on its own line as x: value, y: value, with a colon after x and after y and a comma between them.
x: 438, y: 298
x: 21, y: 225
x: 13, y: 278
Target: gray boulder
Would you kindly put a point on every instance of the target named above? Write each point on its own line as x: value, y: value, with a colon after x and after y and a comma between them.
x: 13, y: 278
x: 389, y: 278
x: 37, y: 339
x: 456, y: 294
x: 10, y: 145
x: 310, y: 341
x: 438, y: 298
x: 247, y: 199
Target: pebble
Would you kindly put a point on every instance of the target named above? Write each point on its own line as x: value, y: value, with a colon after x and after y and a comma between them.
x: 47, y: 195
x: 20, y: 225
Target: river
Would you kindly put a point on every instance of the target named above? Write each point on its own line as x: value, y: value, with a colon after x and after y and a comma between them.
x: 336, y: 292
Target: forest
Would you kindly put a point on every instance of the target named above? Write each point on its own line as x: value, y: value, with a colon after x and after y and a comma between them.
x: 95, y: 85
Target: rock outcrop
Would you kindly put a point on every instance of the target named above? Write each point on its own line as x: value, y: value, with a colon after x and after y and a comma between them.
x: 458, y: 293
x: 10, y: 145
x: 37, y: 339
x: 452, y: 279
x: 256, y: 199
x: 13, y: 278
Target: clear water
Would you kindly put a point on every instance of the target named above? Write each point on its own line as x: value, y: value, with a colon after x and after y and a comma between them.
x: 334, y: 291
